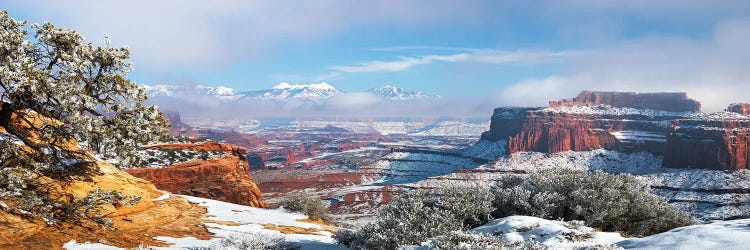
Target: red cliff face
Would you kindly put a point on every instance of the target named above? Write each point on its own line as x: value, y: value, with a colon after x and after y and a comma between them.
x: 687, y: 140
x: 723, y: 145
x: 741, y: 108
x: 554, y: 132
x: 226, y: 178
x: 676, y: 102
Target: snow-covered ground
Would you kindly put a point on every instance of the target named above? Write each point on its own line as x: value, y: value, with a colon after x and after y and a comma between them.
x: 410, y: 167
x: 639, y: 136
x: 600, y: 159
x: 609, y: 110
x: 734, y: 234
x: 251, y: 220
x: 227, y: 219
x: 453, y: 128
x: 555, y: 234
x: 484, y: 149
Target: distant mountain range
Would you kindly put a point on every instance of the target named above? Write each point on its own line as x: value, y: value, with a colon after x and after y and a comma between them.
x: 280, y: 92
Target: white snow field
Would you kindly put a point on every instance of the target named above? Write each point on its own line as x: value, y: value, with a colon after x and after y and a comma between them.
x: 559, y: 235
x: 250, y: 220
x: 555, y: 234
x: 731, y: 234
x: 725, y: 235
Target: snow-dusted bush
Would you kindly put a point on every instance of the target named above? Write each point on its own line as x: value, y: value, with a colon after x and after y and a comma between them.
x: 606, y: 201
x: 408, y: 220
x: 467, y: 202
x: 254, y: 241
x: 306, y: 204
x: 458, y: 240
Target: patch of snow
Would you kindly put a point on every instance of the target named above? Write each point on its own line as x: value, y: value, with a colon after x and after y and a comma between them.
x: 453, y: 128
x: 484, y: 149
x: 396, y: 93
x: 633, y: 135
x: 250, y: 220
x: 73, y: 245
x: 164, y: 196
x: 599, y: 159
x: 556, y: 234
x: 11, y: 138
x: 733, y: 234
x: 322, y: 86
x: 609, y: 110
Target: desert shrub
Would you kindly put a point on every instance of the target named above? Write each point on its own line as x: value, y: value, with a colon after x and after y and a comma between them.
x: 458, y: 240
x: 419, y: 215
x: 254, y: 241
x: 407, y: 220
x: 606, y: 201
x: 467, y: 202
x: 312, y: 207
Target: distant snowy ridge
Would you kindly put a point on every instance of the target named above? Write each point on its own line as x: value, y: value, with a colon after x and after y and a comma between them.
x: 396, y: 93
x: 281, y: 92
x: 286, y: 91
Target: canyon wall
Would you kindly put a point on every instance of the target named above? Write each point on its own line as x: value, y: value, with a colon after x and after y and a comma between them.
x: 225, y: 178
x: 713, y: 144
x: 667, y: 124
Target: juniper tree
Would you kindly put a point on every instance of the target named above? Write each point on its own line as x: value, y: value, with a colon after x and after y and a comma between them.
x: 56, y: 90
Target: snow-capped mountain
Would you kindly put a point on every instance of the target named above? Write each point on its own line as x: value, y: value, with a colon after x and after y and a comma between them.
x: 220, y: 92
x: 285, y: 91
x: 280, y: 92
x: 396, y: 93
x: 161, y: 90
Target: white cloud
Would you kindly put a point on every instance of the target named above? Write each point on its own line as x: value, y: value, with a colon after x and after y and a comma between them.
x: 169, y: 34
x: 712, y: 71
x: 477, y: 56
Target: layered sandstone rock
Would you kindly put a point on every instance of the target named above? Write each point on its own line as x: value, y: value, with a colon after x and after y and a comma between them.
x: 740, y: 108
x: 226, y: 178
x: 715, y: 144
x: 676, y: 102
x: 661, y: 123
x: 552, y: 131
x: 156, y: 214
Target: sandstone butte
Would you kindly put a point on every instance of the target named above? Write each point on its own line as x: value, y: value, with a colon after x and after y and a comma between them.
x: 689, y: 142
x: 226, y: 178
x: 676, y: 102
x: 136, y: 225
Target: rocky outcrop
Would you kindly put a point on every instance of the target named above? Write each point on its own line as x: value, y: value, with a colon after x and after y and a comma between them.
x: 740, y: 108
x: 714, y: 144
x: 676, y: 102
x: 661, y: 123
x: 506, y: 122
x: 552, y: 130
x: 552, y: 133
x: 156, y: 214
x: 226, y: 178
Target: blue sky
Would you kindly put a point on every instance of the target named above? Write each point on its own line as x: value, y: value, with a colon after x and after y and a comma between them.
x: 502, y: 52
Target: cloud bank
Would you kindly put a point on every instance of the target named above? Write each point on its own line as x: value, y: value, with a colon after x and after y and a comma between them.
x: 713, y: 71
